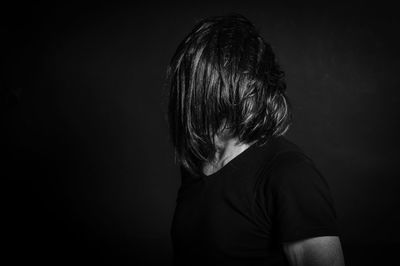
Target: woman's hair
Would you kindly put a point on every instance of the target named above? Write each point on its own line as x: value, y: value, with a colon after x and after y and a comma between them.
x: 223, y: 79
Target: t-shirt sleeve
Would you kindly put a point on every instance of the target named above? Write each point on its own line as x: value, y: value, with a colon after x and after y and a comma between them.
x: 300, y: 200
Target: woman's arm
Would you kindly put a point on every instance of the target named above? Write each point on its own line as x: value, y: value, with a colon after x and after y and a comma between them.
x: 318, y: 251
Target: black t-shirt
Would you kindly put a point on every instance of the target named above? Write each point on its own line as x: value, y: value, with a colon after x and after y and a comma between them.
x: 243, y: 213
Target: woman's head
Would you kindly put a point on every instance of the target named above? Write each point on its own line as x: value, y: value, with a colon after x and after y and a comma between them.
x: 224, y: 80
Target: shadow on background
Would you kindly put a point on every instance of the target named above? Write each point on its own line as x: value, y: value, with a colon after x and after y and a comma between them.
x: 88, y: 170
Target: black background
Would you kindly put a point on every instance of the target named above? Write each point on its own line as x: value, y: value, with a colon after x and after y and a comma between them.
x: 87, y: 168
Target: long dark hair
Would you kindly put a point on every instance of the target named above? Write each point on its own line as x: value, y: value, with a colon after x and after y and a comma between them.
x: 223, y: 77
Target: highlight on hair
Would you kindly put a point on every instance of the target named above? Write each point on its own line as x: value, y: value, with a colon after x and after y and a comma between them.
x: 223, y: 78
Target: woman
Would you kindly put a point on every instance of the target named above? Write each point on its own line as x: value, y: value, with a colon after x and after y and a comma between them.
x: 248, y: 195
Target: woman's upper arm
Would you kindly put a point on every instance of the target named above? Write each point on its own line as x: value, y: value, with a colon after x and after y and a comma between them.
x: 317, y: 251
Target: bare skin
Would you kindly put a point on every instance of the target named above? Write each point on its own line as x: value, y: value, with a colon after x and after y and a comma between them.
x: 317, y: 251
x: 227, y: 149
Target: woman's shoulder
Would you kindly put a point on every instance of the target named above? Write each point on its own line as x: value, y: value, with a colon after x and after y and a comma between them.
x: 288, y: 163
x: 281, y: 150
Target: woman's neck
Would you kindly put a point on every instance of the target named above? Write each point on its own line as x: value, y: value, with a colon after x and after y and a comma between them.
x: 227, y: 149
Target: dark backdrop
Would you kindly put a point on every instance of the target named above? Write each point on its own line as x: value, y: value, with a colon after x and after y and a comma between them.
x: 88, y: 170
